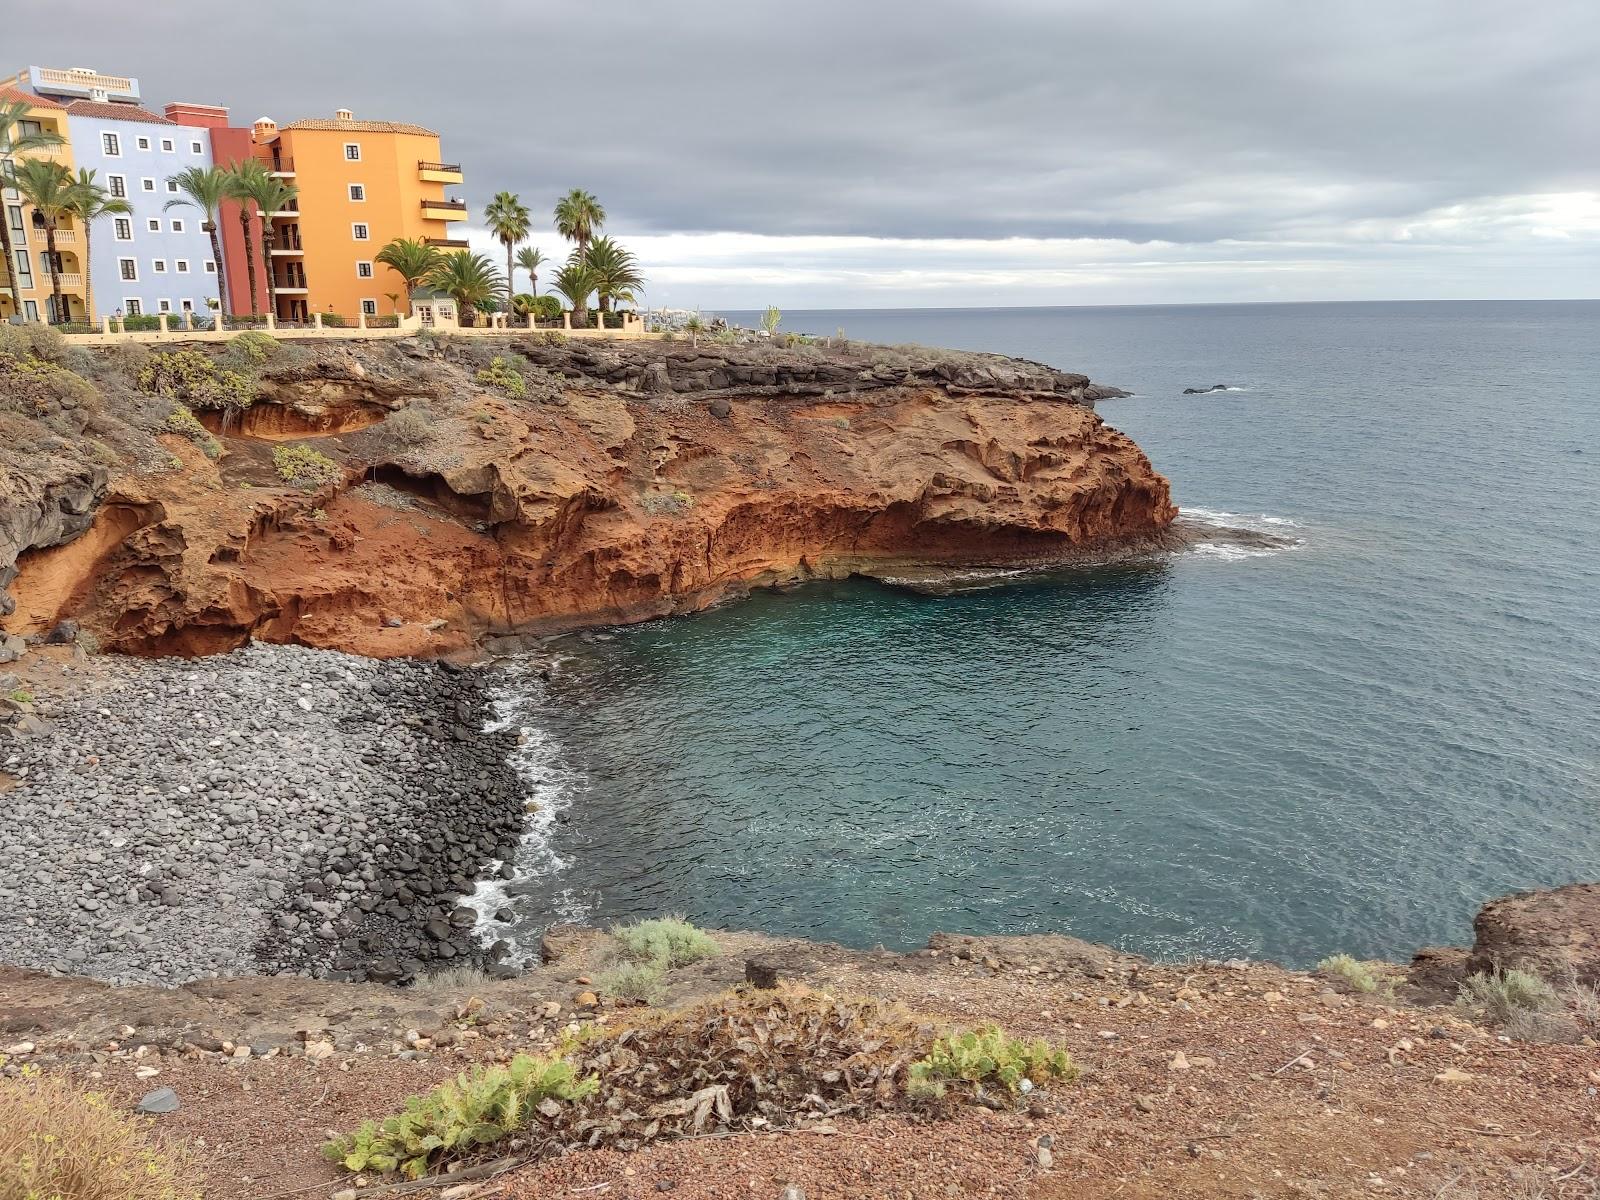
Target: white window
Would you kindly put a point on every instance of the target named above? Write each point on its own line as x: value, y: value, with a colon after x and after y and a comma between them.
x: 117, y: 185
x: 177, y: 225
x: 364, y: 270
x: 159, y: 265
x: 124, y: 228
x: 195, y: 148
x: 133, y: 308
x: 164, y: 306
x: 154, y: 224
x: 211, y: 267
x: 183, y: 266
x: 129, y: 267
x: 352, y: 151
x: 358, y: 192
x: 186, y: 305
x: 111, y: 144
x: 144, y: 143
x: 369, y: 307
x: 148, y: 184
x: 359, y: 231
x: 166, y: 146
x: 172, y: 185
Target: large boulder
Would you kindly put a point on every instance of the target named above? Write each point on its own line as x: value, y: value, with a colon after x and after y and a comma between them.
x: 1555, y: 933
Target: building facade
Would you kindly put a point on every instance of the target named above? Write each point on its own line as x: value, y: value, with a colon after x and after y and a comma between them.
x: 361, y: 185
x: 152, y: 260
x: 32, y: 298
x: 229, y: 145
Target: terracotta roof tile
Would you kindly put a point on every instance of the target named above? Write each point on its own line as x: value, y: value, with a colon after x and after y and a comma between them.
x: 11, y: 93
x: 361, y: 127
x: 116, y: 112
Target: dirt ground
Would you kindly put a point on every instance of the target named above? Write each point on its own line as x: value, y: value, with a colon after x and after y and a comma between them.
x: 1206, y: 1081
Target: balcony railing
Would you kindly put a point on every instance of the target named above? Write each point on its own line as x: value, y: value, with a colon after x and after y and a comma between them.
x: 283, y: 245
x: 449, y: 168
x: 292, y: 211
x: 281, y: 165
x: 459, y: 206
x: 64, y: 237
x: 71, y: 281
x: 85, y: 80
x: 447, y: 243
x: 292, y: 284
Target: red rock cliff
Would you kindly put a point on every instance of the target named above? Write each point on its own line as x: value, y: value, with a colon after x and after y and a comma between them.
x: 630, y: 483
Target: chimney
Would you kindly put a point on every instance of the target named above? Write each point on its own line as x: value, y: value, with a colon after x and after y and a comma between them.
x: 264, y: 130
x: 343, y: 114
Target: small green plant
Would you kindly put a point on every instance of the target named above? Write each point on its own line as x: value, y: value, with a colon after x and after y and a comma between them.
x: 666, y: 941
x: 1501, y: 997
x: 503, y: 375
x: 988, y: 1056
x: 181, y: 420
x: 1354, y: 972
x: 305, y: 467
x: 22, y: 696
x: 633, y: 981
x: 770, y: 319
x: 659, y: 504
x: 477, y: 1108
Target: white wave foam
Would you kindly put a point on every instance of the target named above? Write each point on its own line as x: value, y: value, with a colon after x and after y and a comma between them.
x: 551, y: 786
x: 1261, y: 523
x: 1232, y: 551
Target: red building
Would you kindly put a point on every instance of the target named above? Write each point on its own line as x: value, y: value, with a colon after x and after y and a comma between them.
x: 228, y: 146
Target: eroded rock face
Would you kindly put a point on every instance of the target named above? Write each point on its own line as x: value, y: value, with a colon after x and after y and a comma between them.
x: 633, y: 481
x: 51, y: 501
x: 1554, y: 933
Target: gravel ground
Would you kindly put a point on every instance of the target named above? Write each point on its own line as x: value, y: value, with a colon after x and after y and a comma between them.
x: 273, y: 809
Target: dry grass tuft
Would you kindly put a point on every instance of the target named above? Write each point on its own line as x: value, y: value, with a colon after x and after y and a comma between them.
x: 56, y: 1141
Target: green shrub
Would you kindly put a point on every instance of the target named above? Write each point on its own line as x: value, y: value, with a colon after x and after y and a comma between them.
x: 22, y: 696
x: 477, y: 1108
x: 633, y: 981
x: 33, y: 340
x: 35, y: 386
x: 192, y: 377
x: 409, y: 426
x: 1499, y: 997
x: 182, y: 421
x: 250, y: 349
x: 503, y: 375
x: 665, y: 941
x: 547, y: 308
x: 1354, y: 972
x: 988, y: 1055
x: 305, y: 467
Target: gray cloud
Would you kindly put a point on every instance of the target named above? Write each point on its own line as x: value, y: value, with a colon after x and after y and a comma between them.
x: 1242, y: 120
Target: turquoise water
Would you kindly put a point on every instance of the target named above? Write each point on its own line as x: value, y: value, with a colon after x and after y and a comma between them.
x: 1344, y: 746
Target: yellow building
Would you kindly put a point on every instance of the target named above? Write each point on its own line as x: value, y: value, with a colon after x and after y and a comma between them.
x: 361, y: 184
x: 31, y: 264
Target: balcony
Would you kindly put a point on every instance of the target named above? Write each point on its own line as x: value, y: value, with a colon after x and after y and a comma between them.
x: 64, y: 237
x: 432, y: 172
x: 71, y: 281
x: 447, y: 243
x: 84, y: 84
x: 292, y: 286
x: 284, y: 214
x: 286, y: 247
x: 281, y: 168
x: 444, y: 210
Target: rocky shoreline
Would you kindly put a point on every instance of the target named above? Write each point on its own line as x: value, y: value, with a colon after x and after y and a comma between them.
x: 274, y: 810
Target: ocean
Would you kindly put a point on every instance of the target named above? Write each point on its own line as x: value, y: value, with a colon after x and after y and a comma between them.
x: 1347, y: 745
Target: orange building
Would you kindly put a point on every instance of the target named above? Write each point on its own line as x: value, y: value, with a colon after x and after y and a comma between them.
x: 361, y: 184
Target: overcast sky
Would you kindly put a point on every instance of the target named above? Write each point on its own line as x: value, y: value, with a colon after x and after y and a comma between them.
x: 821, y: 153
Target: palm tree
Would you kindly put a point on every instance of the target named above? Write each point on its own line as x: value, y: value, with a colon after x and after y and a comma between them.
x: 694, y: 327
x: 413, y: 260
x: 616, y: 271
x: 271, y: 195
x: 530, y: 259
x: 467, y: 278
x: 245, y: 177
x: 508, y: 219
x: 576, y: 281
x: 206, y: 188
x: 13, y: 143
x: 48, y: 186
x: 578, y: 217
x: 90, y: 201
